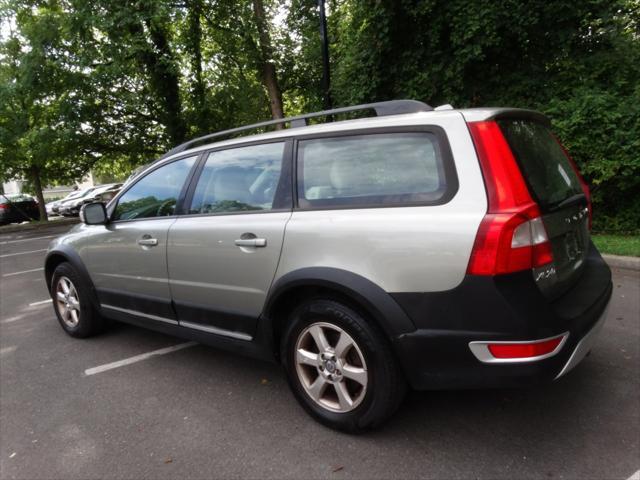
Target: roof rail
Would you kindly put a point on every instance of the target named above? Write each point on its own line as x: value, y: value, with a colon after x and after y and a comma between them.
x: 392, y: 107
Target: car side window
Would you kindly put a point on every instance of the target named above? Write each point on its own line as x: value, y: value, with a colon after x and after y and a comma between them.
x: 156, y: 194
x: 239, y: 179
x: 371, y: 169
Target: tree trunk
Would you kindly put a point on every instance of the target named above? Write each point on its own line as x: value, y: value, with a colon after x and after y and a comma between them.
x: 163, y: 71
x: 267, y: 67
x: 37, y: 184
x: 194, y: 45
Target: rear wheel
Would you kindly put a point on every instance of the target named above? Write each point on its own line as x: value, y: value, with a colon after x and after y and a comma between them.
x: 340, y: 367
x: 72, y: 305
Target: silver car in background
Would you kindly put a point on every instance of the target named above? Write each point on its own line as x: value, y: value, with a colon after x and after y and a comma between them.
x: 99, y: 193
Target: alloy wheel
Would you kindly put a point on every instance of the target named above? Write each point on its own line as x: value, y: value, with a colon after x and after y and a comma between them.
x: 67, y: 302
x: 331, y: 367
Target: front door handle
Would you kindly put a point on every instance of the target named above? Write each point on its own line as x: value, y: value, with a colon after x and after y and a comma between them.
x: 251, y: 242
x: 147, y: 241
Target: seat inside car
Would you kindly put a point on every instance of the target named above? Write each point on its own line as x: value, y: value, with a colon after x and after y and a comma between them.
x: 230, y: 183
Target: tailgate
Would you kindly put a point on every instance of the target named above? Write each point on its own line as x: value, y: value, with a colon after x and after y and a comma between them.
x: 556, y: 187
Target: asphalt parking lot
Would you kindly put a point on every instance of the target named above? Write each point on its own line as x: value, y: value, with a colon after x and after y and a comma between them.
x: 196, y: 412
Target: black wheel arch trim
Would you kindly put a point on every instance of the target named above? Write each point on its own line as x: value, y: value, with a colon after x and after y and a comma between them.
x: 387, y: 313
x: 71, y: 256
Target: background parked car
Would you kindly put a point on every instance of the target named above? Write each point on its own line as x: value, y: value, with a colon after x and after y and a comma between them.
x: 106, y: 195
x: 51, y: 207
x: 71, y: 208
x: 55, y: 208
x: 18, y: 208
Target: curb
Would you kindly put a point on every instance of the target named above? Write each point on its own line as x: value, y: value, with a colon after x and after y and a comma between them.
x: 618, y: 261
x: 29, y: 227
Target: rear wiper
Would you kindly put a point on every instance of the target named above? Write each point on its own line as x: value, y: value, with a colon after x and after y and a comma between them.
x: 572, y: 200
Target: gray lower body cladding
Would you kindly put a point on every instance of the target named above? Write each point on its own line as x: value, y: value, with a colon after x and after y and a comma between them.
x: 509, y: 307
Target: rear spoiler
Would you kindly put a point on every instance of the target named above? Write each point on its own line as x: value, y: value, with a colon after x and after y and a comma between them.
x: 486, y: 114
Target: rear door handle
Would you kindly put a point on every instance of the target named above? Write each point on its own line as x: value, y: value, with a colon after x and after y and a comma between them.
x: 251, y: 242
x: 147, y: 241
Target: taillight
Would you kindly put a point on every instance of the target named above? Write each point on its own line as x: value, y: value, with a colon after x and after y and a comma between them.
x: 524, y: 349
x: 583, y: 184
x: 517, y: 351
x: 4, y: 206
x: 511, y: 236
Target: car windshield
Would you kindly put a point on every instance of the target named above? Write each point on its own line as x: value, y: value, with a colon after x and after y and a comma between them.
x: 102, y: 188
x: 73, y: 195
x: 20, y: 197
x: 82, y: 193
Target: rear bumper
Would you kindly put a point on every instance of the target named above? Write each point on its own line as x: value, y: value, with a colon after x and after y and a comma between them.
x: 584, y: 345
x: 67, y: 211
x: 509, y: 308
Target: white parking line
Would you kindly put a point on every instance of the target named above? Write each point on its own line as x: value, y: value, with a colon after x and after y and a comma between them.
x: 7, y: 350
x: 22, y: 253
x: 26, y: 239
x: 635, y: 476
x: 23, y: 271
x: 18, y: 317
x: 12, y: 319
x: 41, y: 302
x: 137, y: 358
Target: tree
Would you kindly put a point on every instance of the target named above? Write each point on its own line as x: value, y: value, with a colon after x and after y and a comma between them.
x: 579, y: 62
x: 193, y: 40
x: 111, y: 85
x: 41, y: 130
x: 267, y: 67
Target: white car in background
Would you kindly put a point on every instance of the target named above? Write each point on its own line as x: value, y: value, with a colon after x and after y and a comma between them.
x: 53, y: 207
x: 72, y: 207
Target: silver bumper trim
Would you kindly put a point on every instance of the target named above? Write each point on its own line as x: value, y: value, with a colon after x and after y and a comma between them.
x: 140, y: 314
x: 584, y: 345
x: 217, y: 331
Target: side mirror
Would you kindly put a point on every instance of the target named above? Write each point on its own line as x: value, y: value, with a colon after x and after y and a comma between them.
x: 93, y: 214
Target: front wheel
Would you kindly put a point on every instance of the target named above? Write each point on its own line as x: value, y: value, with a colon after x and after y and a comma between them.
x: 72, y: 305
x: 340, y: 366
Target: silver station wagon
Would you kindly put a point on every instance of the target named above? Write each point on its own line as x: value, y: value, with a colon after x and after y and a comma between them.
x: 412, y: 248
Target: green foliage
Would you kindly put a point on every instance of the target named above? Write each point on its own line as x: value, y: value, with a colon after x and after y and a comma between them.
x: 601, y: 129
x: 111, y: 85
x: 578, y: 62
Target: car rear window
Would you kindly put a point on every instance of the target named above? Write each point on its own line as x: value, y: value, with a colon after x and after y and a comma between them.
x: 370, y: 170
x: 545, y: 166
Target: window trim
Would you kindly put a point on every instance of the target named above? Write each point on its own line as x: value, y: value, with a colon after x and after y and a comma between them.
x: 284, y: 190
x: 448, y: 166
x: 111, y: 209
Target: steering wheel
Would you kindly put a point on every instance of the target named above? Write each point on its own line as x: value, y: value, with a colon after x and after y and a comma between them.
x: 168, y: 203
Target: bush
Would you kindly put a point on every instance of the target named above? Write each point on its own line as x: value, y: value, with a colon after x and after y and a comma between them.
x: 601, y: 130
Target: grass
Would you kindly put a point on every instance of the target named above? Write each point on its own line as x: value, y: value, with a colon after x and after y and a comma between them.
x: 618, y: 244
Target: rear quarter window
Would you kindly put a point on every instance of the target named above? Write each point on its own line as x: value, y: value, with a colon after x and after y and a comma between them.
x: 378, y: 169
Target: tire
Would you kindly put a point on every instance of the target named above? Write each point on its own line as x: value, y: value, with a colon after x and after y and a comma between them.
x: 86, y: 321
x: 374, y: 383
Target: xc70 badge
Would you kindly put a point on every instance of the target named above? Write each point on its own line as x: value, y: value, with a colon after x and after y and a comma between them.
x: 578, y: 216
